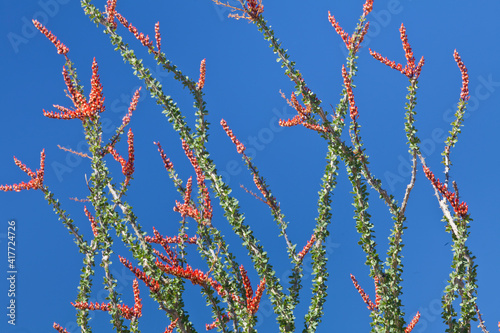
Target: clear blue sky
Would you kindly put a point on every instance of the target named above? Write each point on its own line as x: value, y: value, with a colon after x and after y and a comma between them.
x: 242, y: 86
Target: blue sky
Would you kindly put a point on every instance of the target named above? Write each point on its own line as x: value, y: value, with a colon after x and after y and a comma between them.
x: 242, y: 86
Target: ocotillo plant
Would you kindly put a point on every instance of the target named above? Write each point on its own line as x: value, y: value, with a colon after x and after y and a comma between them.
x: 231, y: 294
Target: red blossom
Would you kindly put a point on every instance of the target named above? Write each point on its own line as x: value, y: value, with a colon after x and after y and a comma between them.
x: 83, y: 109
x: 127, y: 166
x: 93, y: 223
x: 158, y: 239
x: 216, y: 323
x: 131, y: 108
x: 203, y: 70
x: 367, y: 7
x: 111, y: 11
x: 352, y: 42
x: 200, y: 179
x: 464, y: 94
x: 410, y: 70
x: 140, y: 36
x: 166, y: 161
x: 413, y: 322
x: 353, y: 109
x: 61, y: 48
x: 150, y: 282
x: 366, y: 298
x: 307, y: 247
x: 36, y: 181
x: 137, y: 300
x: 252, y: 301
x: 171, y: 327
x: 158, y: 36
x: 460, y: 208
x: 59, y: 328
x: 239, y: 146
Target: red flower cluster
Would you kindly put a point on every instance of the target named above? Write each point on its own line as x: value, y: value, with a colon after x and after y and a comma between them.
x: 158, y: 36
x: 353, y: 109
x: 460, y: 208
x: 93, y: 223
x: 216, y: 323
x: 239, y: 146
x: 371, y: 306
x: 413, y: 322
x: 410, y: 70
x: 255, y: 8
x: 252, y: 301
x: 307, y: 247
x: 61, y: 48
x: 59, y: 328
x: 171, y: 327
x: 158, y: 239
x: 127, y: 167
x: 111, y: 11
x: 203, y: 70
x: 36, y: 181
x: 131, y: 108
x: 200, y: 178
x: 83, y: 109
x: 367, y: 7
x: 140, y: 36
x: 352, y: 42
x: 150, y: 282
x: 464, y: 95
x: 166, y: 161
x: 302, y: 116
x: 127, y: 312
x: 186, y: 208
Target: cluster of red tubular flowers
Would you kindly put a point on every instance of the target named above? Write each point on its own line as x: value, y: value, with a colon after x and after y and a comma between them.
x: 127, y: 166
x: 301, y: 117
x: 158, y: 239
x: 150, y: 282
x: 171, y: 327
x: 307, y: 247
x: 239, y: 146
x: 203, y: 71
x: 411, y: 70
x: 140, y: 36
x: 252, y: 301
x: 127, y: 312
x: 200, y: 179
x: 61, y: 48
x: 158, y: 36
x: 137, y: 299
x: 111, y: 11
x: 413, y: 322
x: 131, y: 108
x: 93, y: 223
x: 378, y: 297
x: 196, y: 276
x: 351, y: 42
x: 186, y: 208
x: 460, y: 208
x: 255, y: 8
x: 353, y: 109
x: 216, y: 323
x: 83, y: 109
x: 166, y: 161
x: 367, y: 7
x: 464, y: 95
x: 371, y: 306
x: 59, y: 328
x: 36, y: 181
